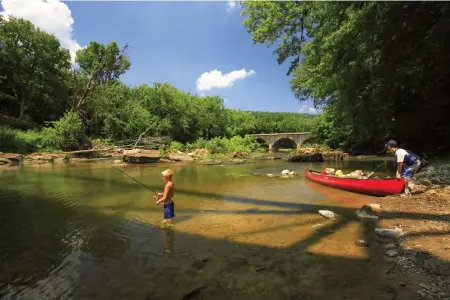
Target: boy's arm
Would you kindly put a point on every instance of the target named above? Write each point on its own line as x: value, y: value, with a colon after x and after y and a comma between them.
x: 164, y: 196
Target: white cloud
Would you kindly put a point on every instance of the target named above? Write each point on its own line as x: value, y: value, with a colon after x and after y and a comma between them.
x: 312, y: 110
x: 215, y: 79
x: 308, y: 109
x: 231, y: 5
x: 51, y: 16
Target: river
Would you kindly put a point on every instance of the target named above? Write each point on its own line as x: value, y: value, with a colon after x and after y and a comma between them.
x: 87, y: 231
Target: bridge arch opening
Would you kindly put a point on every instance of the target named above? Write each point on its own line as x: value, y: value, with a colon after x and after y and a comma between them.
x: 263, y: 144
x: 284, y: 144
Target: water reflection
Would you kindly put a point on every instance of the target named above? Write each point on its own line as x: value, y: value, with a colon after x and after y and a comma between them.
x: 169, y: 239
x: 88, y: 232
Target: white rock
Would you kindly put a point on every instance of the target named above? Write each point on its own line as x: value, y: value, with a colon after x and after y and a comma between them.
x: 292, y: 173
x: 391, y: 233
x: 269, y: 175
x: 285, y: 172
x: 328, y: 214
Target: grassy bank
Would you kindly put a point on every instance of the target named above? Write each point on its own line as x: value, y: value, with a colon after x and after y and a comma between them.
x: 27, y: 141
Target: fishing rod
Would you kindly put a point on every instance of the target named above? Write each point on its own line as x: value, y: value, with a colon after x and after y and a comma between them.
x: 132, y: 178
x: 373, y: 171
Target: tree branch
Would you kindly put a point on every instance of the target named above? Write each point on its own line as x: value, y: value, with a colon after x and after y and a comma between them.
x: 139, y: 138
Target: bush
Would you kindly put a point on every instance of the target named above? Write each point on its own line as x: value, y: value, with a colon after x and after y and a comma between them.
x: 217, y: 145
x: 176, y: 146
x: 190, y: 147
x: 201, y: 143
x: 162, y: 151
x: 24, y: 142
x: 69, y: 131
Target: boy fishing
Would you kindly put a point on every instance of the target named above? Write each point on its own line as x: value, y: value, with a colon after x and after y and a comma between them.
x: 167, y: 197
x: 407, y: 164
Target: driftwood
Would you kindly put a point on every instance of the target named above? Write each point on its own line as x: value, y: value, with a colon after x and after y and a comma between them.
x: 87, y: 151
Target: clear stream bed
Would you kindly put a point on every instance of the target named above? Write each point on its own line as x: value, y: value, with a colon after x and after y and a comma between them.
x: 88, y: 232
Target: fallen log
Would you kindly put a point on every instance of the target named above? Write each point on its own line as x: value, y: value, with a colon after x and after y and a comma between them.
x: 87, y: 151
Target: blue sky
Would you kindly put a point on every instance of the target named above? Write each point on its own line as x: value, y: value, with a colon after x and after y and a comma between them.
x: 175, y: 42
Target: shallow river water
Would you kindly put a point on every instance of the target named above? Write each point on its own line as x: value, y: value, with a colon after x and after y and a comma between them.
x: 89, y: 232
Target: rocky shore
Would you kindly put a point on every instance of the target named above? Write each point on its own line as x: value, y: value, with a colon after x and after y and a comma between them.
x: 316, y: 154
x: 134, y: 156
x: 413, y: 236
x: 422, y: 253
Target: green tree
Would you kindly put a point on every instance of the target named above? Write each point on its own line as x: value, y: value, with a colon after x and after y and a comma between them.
x: 98, y: 65
x: 34, y: 70
x: 373, y: 64
x: 240, y: 122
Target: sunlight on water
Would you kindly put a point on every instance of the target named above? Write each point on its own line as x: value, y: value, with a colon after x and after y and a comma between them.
x: 67, y: 230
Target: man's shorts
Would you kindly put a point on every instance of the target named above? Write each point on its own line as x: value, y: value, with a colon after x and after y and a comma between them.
x: 169, y: 210
x: 409, y: 171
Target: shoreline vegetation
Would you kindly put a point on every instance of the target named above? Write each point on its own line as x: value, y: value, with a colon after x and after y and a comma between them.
x: 236, y: 150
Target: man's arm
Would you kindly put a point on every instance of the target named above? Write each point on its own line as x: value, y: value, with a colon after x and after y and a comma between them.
x: 164, y: 196
x: 399, y: 169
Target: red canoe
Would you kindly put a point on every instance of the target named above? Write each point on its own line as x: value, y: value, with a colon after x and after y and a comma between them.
x: 377, y: 187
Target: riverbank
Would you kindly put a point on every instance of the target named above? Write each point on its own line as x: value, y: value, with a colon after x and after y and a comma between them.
x: 420, y: 259
x: 202, y: 156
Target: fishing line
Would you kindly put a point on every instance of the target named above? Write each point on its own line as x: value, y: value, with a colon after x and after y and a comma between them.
x: 132, y: 178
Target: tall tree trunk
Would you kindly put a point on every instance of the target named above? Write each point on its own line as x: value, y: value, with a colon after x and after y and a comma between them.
x: 22, y: 104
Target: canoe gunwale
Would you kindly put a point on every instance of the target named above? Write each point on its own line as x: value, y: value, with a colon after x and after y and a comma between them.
x: 375, y: 187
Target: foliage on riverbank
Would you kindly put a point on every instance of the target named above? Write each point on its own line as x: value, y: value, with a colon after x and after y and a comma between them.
x: 218, y: 145
x: 380, y: 69
x: 33, y: 98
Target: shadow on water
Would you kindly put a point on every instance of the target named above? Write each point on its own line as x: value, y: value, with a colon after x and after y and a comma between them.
x: 51, y: 249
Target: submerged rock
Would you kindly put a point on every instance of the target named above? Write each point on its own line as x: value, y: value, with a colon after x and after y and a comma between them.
x: 316, y: 157
x: 392, y: 253
x: 237, y: 161
x: 390, y: 246
x: 322, y: 228
x: 390, y: 233
x: 211, y: 162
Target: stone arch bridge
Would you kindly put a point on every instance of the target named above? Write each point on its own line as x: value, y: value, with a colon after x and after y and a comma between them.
x: 273, y: 139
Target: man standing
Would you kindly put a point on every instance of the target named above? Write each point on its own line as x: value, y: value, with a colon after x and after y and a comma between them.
x: 407, y: 164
